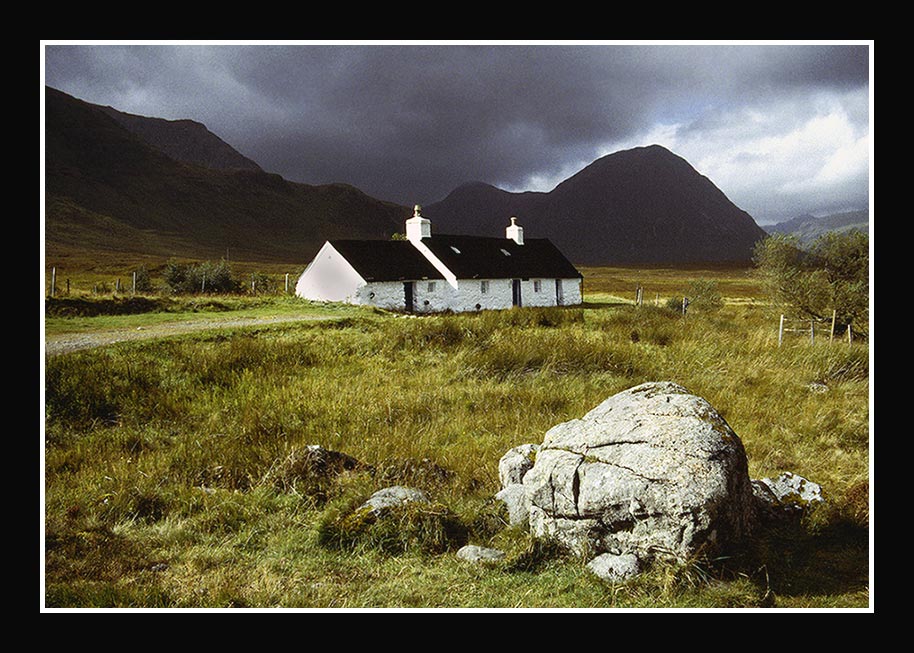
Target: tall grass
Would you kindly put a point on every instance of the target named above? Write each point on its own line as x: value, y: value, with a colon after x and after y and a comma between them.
x: 161, y: 457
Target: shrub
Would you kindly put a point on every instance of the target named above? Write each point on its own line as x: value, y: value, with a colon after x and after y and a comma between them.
x: 206, y: 277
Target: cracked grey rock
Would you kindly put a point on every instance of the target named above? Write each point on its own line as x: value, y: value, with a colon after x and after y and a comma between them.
x: 652, y: 471
x: 515, y: 498
x: 516, y: 463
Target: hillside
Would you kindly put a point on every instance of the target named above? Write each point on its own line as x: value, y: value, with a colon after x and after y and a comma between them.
x: 116, y: 182
x: 183, y: 140
x: 808, y: 228
x: 106, y: 189
x: 640, y: 206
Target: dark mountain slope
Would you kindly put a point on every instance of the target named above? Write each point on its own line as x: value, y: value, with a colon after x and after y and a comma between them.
x: 107, y: 187
x: 640, y: 206
x: 183, y: 140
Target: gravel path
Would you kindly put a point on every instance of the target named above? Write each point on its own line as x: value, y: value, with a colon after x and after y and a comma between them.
x: 69, y: 342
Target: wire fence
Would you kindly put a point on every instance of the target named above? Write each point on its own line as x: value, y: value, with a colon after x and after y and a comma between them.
x: 811, y: 328
x: 138, y: 283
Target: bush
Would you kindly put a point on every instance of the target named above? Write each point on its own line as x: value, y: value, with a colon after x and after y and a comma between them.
x: 206, y: 277
x: 832, y: 274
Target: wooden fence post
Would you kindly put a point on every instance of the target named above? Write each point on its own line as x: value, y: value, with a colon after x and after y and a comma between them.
x: 850, y: 338
x: 203, y: 284
x: 117, y: 285
x: 53, y: 280
x: 781, y: 331
x: 831, y: 336
x: 287, y: 283
x: 133, y: 292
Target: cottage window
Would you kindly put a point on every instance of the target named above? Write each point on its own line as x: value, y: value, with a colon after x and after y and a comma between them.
x: 484, y: 287
x: 431, y: 286
x: 456, y: 251
x: 537, y: 285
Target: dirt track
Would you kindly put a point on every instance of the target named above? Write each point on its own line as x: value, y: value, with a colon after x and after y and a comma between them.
x: 69, y: 342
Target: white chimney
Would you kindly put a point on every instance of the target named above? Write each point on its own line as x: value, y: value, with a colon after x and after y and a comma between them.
x: 515, y: 232
x: 418, y: 227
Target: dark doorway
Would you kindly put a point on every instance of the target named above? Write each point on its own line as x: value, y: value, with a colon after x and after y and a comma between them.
x: 515, y: 292
x: 408, y: 296
x: 559, y: 295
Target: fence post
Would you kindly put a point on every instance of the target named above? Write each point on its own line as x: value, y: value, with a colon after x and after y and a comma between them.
x: 203, y: 284
x: 850, y: 338
x: 287, y: 283
x: 831, y: 336
x: 252, y: 283
x: 133, y: 292
x: 53, y: 280
x: 117, y: 285
x: 781, y: 331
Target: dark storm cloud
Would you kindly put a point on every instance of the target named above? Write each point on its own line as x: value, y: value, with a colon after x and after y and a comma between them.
x: 409, y: 123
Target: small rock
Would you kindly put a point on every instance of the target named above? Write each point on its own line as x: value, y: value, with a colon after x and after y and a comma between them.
x: 611, y: 567
x: 817, y: 387
x: 390, y: 497
x: 514, y: 496
x: 473, y: 553
x: 160, y: 566
x: 789, y: 491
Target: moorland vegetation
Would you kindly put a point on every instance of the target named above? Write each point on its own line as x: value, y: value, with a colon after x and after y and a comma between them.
x: 173, y: 475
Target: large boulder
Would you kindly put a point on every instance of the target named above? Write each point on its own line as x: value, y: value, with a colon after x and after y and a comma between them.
x: 653, y: 471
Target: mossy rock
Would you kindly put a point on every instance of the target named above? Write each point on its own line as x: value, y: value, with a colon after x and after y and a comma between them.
x: 429, y: 528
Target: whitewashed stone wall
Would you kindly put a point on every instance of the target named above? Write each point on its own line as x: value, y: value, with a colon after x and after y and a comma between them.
x: 470, y: 293
x: 467, y: 297
x: 383, y: 294
x: 571, y: 290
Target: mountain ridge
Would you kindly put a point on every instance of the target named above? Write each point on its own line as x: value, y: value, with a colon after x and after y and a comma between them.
x: 807, y: 228
x: 184, y: 140
x: 109, y: 187
x: 645, y: 205
x: 106, y: 189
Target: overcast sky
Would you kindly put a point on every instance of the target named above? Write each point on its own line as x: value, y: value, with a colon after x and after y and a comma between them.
x: 782, y: 129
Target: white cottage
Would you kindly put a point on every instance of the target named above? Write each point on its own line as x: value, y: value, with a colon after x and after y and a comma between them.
x: 426, y: 273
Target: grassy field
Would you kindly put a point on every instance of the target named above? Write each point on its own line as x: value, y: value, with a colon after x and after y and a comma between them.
x: 174, y: 474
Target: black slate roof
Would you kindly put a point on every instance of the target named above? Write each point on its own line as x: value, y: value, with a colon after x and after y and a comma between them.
x: 386, y: 260
x: 476, y: 257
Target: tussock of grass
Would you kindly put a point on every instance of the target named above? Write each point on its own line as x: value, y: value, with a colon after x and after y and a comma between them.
x: 428, y: 528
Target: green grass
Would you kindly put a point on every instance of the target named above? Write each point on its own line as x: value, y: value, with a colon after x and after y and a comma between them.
x: 162, y: 457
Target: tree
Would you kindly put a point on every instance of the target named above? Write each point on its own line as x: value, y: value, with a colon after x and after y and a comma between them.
x: 832, y: 274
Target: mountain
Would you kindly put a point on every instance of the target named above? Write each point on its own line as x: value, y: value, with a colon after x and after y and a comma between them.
x: 109, y: 190
x: 807, y: 228
x: 640, y: 206
x: 183, y: 140
x: 117, y: 182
